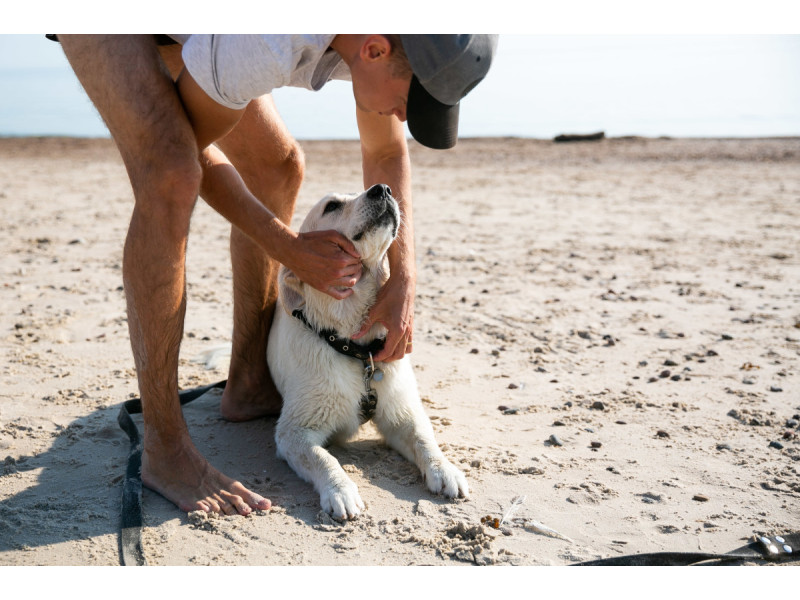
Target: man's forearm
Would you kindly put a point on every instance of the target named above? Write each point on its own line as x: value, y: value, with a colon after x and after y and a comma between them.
x: 396, y: 173
x: 225, y: 191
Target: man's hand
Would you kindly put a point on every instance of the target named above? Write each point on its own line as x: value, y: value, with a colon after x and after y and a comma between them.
x: 327, y: 261
x: 394, y: 309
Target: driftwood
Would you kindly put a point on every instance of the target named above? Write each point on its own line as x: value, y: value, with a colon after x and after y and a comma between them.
x: 590, y: 137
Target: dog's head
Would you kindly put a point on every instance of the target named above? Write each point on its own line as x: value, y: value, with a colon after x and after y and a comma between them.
x: 370, y: 220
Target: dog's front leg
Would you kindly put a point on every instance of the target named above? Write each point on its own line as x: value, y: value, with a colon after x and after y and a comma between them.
x: 302, y: 449
x: 408, y: 430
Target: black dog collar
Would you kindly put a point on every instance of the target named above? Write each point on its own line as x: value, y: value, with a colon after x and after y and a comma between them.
x: 344, y: 345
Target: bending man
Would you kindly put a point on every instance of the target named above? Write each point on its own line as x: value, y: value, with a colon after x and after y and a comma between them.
x: 193, y: 115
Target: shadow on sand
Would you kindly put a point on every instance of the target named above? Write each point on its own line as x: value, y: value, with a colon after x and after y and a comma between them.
x: 72, y: 491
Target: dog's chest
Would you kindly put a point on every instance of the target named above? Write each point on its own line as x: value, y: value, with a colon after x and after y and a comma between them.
x: 359, y: 387
x: 323, y: 386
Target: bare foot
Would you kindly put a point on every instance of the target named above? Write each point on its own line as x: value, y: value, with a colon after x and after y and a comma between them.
x: 184, y: 477
x: 250, y: 398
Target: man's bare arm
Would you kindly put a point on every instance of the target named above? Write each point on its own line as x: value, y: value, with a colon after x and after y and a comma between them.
x: 225, y: 191
x: 385, y: 160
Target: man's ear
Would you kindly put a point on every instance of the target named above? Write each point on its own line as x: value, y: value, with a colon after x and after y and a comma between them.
x: 290, y: 289
x: 375, y: 47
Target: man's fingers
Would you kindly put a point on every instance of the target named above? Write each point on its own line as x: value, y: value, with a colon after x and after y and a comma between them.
x: 342, y: 242
x: 353, y: 273
x: 364, y: 329
x: 394, y: 349
x: 348, y: 247
x: 339, y: 293
x: 329, y: 262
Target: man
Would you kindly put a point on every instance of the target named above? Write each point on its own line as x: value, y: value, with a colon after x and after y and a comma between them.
x: 195, y: 118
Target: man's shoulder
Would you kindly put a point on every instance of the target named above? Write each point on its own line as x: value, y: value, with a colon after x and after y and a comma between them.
x: 235, y: 68
x: 238, y: 42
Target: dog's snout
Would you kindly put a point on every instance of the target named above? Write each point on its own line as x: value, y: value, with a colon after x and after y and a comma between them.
x: 379, y: 191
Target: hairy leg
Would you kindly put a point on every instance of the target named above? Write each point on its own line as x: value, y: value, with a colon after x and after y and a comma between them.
x: 271, y: 164
x: 135, y: 95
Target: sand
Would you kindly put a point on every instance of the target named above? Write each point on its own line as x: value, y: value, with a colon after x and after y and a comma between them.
x: 607, y: 333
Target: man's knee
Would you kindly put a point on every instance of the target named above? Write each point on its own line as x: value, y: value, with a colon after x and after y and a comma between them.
x: 167, y: 191
x: 281, y: 168
x: 293, y: 166
x: 278, y: 179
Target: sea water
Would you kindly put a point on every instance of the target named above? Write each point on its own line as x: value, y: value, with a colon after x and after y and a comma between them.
x: 539, y: 86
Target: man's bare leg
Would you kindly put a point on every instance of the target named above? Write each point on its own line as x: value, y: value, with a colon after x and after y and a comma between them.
x: 134, y: 94
x: 271, y: 165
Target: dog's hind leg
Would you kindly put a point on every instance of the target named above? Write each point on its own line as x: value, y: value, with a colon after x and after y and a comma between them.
x: 302, y: 449
x: 407, y: 429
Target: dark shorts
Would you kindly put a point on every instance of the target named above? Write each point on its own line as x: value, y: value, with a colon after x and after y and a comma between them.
x: 160, y: 38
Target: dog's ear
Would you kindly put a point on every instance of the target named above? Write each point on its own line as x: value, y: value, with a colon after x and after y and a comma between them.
x: 290, y: 289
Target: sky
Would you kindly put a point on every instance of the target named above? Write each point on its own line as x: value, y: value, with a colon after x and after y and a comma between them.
x: 721, y: 72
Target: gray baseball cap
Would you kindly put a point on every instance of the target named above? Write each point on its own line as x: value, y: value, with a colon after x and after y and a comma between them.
x: 446, y: 67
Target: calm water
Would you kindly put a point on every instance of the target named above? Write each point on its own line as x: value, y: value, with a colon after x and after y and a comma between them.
x: 540, y: 86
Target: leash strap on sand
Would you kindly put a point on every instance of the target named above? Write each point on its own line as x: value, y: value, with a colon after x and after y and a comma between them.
x: 774, y: 549
x: 130, y: 538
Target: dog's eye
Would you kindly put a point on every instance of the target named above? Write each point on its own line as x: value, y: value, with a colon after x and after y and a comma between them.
x: 332, y: 206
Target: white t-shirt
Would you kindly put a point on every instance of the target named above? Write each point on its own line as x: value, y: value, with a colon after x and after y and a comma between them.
x: 234, y: 69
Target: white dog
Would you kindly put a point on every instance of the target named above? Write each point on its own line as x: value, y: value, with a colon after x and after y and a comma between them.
x: 329, y: 383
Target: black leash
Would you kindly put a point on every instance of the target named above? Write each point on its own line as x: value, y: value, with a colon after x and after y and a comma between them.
x: 130, y: 538
x: 778, y: 548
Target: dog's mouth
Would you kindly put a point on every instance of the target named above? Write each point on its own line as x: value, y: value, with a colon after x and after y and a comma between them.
x: 380, y: 212
x: 387, y: 219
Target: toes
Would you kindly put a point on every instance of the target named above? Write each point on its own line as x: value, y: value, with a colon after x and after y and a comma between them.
x: 447, y: 480
x: 221, y: 504
x: 231, y: 503
x: 238, y: 505
x: 463, y: 489
x: 344, y: 510
x: 259, y: 502
x: 343, y: 504
x: 249, y: 501
x: 338, y: 511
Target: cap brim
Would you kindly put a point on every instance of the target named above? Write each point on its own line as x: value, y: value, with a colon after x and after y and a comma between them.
x: 432, y: 123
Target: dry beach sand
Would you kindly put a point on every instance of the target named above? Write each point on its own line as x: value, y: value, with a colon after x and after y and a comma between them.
x: 608, y: 332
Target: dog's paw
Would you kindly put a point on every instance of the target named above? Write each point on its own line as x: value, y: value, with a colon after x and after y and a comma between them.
x: 341, y: 500
x: 443, y: 477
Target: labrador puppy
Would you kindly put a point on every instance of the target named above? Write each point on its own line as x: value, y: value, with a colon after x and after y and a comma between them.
x: 329, y: 383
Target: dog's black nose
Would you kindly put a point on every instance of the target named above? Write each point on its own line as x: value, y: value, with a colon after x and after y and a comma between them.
x: 379, y: 191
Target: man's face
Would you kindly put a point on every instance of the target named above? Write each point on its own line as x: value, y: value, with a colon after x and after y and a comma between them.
x: 376, y: 90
